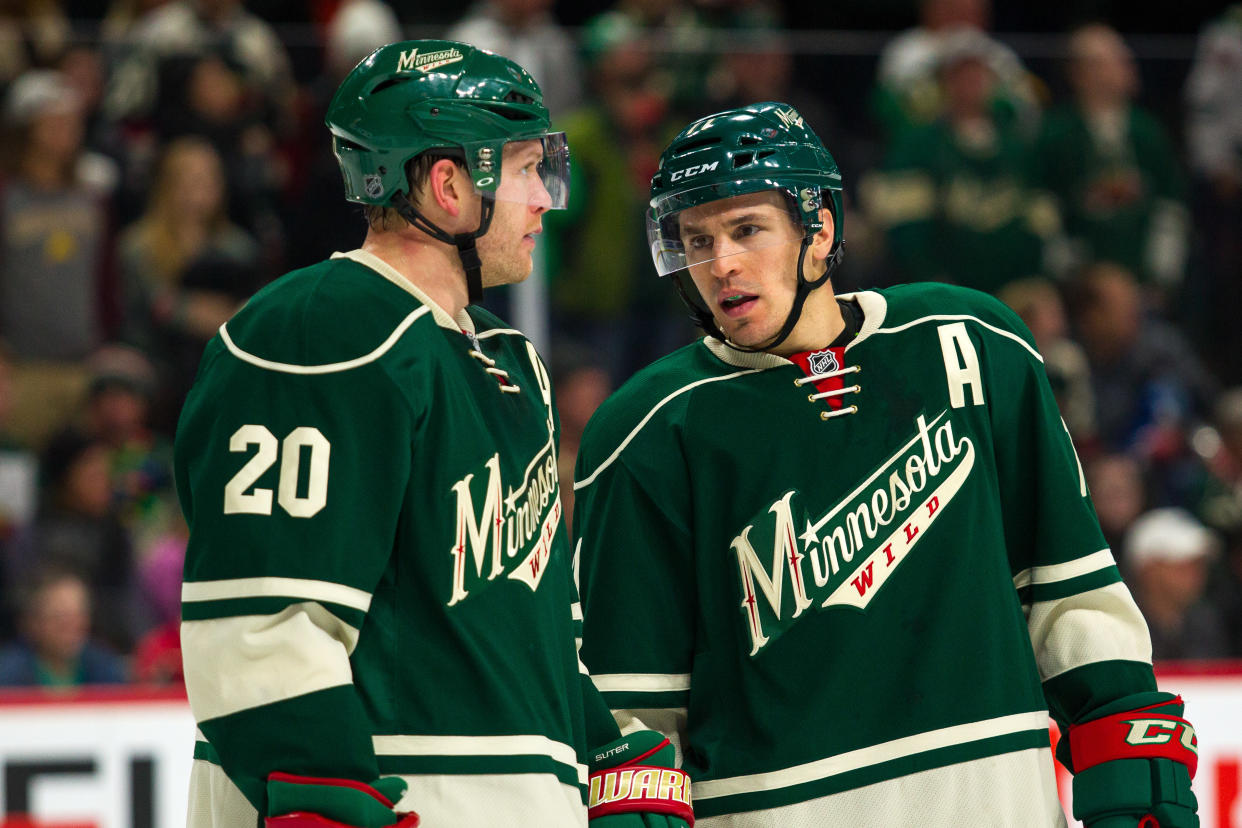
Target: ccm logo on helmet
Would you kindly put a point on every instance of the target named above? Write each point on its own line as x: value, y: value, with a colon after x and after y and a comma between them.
x: 692, y: 171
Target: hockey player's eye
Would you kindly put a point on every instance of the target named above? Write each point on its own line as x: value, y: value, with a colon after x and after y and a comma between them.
x: 700, y: 242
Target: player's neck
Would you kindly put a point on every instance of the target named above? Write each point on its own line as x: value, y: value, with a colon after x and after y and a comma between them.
x: 432, y: 267
x: 819, y: 324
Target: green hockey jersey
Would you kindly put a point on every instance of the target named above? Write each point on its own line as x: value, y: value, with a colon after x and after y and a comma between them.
x: 378, y: 579
x: 856, y: 610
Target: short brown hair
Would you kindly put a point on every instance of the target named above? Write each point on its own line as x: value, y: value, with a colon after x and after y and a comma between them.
x: 417, y: 172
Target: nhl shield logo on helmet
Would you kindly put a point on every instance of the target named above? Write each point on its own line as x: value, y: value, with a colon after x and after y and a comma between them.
x: 374, y: 185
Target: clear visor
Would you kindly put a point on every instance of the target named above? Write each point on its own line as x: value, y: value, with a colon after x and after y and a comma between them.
x: 699, y: 226
x: 534, y: 173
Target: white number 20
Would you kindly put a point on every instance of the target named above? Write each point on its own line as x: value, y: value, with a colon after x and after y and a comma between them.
x: 237, y: 498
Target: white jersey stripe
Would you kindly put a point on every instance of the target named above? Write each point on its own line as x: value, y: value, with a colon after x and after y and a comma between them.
x: 522, y: 745
x: 642, y: 682
x: 498, y: 332
x: 329, y: 368
x: 1064, y: 571
x: 582, y: 484
x: 248, y: 661
x: 300, y: 588
x: 873, y: 755
x: 947, y: 317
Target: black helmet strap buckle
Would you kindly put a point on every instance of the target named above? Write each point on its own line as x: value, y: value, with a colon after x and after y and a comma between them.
x: 465, y: 243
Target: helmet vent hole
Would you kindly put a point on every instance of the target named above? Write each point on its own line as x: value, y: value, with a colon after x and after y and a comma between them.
x: 743, y: 159
x: 506, y: 112
x: 388, y: 84
x: 764, y: 154
x: 518, y: 97
x: 748, y: 140
x: 693, y: 145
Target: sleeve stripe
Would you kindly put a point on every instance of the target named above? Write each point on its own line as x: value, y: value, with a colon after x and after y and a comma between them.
x: 642, y: 682
x: 329, y: 368
x: 237, y: 664
x: 958, y: 316
x: 520, y: 745
x: 300, y: 588
x: 1037, y: 593
x: 1064, y: 571
x: 582, y: 484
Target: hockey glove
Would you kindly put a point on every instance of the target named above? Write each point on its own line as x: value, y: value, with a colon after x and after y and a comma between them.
x: 634, y: 785
x: 1132, y: 763
x: 316, y: 802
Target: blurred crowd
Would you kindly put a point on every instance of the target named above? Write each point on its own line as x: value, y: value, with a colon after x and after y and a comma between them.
x: 163, y: 159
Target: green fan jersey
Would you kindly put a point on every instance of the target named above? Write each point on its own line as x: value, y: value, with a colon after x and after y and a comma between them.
x: 856, y: 609
x: 378, y: 579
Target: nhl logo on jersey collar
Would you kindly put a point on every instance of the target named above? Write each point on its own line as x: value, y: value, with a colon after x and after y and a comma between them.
x: 821, y: 362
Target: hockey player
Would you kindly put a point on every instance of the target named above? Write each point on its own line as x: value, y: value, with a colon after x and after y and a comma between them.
x: 378, y: 608
x: 841, y: 550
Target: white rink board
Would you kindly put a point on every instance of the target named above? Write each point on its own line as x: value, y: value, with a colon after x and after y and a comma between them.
x: 108, y: 760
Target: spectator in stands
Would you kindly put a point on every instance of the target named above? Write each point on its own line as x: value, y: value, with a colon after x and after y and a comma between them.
x: 118, y: 414
x: 205, y: 96
x: 33, y: 33
x: 1167, y: 553
x: 1214, y: 143
x: 955, y: 195
x: 1039, y: 304
x: 908, y: 92
x: 1147, y: 381
x: 56, y: 295
x: 673, y: 29
x: 1112, y: 167
x: 603, y: 294
x: 168, y: 259
x: 189, y: 28
x: 55, y: 648
x: 525, y: 31
x: 77, y: 529
x: 1119, y: 492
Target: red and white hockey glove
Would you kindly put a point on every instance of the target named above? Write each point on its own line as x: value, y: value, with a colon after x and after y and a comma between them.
x: 634, y: 785
x: 317, y: 802
x: 1133, y: 762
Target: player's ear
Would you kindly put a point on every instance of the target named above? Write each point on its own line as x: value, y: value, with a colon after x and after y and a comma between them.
x: 448, y: 187
x: 821, y: 242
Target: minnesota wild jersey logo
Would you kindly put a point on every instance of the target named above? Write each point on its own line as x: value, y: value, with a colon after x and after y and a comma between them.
x: 510, y: 531
x: 506, y: 533
x: 845, y: 556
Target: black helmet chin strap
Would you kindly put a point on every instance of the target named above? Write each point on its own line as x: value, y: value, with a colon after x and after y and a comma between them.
x: 705, y: 320
x: 464, y: 242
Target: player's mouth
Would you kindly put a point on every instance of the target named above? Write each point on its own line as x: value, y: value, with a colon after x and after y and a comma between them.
x: 737, y: 304
x: 531, y: 235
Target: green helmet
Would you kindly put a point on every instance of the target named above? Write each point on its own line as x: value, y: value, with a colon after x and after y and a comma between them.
x: 419, y: 95
x: 763, y: 146
x: 416, y: 96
